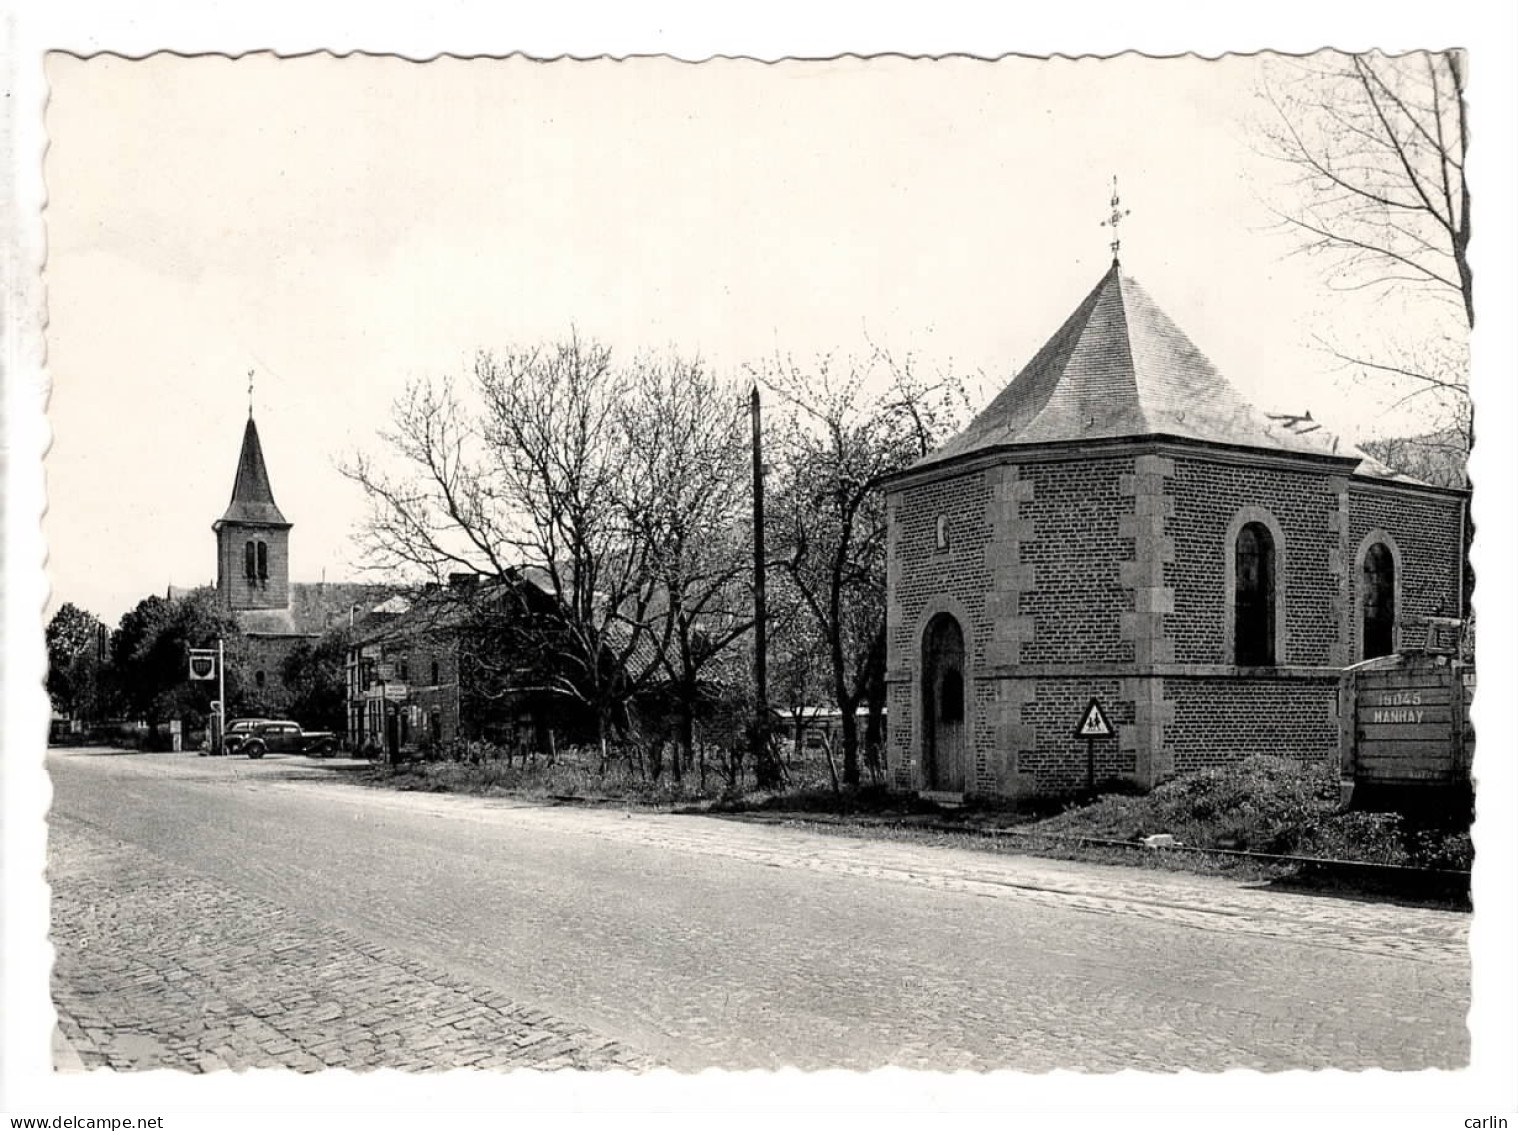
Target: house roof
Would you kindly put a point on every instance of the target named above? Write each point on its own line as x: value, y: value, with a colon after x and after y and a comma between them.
x: 252, y: 496
x: 445, y: 608
x: 431, y: 609
x: 1120, y: 368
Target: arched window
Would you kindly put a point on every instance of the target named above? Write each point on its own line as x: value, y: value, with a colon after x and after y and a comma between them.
x: 1379, y: 611
x: 1254, y: 609
x: 941, y: 532
x: 250, y: 561
x: 263, y: 561
x: 435, y: 680
x: 259, y: 678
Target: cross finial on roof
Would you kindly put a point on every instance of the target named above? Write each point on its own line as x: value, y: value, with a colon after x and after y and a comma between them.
x: 250, y: 394
x: 1115, y: 219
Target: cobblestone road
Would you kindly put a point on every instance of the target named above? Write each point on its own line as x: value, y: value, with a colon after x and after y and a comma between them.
x: 236, y: 913
x: 159, y: 968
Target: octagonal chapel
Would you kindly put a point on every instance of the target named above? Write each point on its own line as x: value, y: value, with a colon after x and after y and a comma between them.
x: 1119, y: 525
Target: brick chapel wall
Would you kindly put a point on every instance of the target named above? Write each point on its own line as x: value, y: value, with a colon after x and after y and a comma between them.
x: 1061, y: 571
x: 1311, y: 589
x: 1039, y: 570
x: 1425, y: 530
x: 1052, y: 755
x: 899, y: 725
x: 1221, y: 721
x: 1050, y: 534
x: 920, y: 573
x: 1077, y: 546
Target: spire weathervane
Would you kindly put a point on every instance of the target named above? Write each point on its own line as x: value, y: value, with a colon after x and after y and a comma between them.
x: 250, y: 394
x: 1115, y: 219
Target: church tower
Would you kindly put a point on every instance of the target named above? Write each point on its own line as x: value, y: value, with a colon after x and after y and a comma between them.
x: 252, y: 537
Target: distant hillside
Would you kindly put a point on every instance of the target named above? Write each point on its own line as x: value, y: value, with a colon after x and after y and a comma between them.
x: 1434, y: 457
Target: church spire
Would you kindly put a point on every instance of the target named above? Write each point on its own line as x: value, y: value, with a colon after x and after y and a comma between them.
x: 252, y: 495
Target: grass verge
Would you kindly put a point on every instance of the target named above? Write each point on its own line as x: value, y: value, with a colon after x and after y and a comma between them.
x: 1217, y: 821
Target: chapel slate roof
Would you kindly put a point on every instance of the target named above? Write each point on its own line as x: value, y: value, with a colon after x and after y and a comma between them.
x: 1120, y: 368
x: 252, y: 496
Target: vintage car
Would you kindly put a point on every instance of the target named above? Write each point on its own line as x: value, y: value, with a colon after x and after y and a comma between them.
x: 237, y: 732
x: 284, y: 737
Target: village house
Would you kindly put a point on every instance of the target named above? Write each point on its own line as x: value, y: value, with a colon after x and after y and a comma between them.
x: 402, y: 672
x: 456, y: 663
x: 1119, y: 545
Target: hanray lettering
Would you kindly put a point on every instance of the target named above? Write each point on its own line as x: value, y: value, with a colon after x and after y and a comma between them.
x: 1396, y: 716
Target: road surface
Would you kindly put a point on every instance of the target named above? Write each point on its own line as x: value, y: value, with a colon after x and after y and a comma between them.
x: 215, y: 913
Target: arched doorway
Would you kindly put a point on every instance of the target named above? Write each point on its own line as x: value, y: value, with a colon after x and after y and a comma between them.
x: 943, y: 705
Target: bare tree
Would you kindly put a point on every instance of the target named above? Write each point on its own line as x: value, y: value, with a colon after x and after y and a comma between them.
x: 606, y: 488
x: 552, y: 421
x: 1379, y: 144
x: 1436, y: 457
x: 686, y: 461
x: 851, y: 425
x: 523, y: 471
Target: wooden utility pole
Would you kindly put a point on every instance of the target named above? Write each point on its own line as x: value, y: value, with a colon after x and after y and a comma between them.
x: 221, y: 696
x: 765, y: 772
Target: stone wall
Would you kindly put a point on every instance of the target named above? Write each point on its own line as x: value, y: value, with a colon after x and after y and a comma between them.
x: 264, y: 655
x: 232, y: 580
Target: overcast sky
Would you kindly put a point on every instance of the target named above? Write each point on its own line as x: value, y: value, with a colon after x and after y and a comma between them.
x: 341, y: 225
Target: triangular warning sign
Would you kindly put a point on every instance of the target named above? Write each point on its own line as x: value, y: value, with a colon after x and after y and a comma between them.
x: 1094, y: 722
